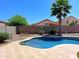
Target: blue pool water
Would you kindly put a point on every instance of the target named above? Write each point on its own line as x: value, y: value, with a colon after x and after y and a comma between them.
x: 46, y: 42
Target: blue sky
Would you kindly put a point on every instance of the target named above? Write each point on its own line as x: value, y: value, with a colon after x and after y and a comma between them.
x: 33, y: 10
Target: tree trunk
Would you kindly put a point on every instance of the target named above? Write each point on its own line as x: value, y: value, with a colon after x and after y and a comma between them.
x: 60, y: 28
x: 60, y: 17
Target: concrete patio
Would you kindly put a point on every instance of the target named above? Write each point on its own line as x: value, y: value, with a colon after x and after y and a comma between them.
x: 14, y: 50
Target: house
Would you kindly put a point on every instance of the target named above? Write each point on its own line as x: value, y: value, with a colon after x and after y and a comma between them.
x: 46, y: 22
x: 69, y: 20
x: 43, y: 26
x: 66, y: 21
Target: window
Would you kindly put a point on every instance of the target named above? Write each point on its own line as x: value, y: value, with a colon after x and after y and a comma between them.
x: 46, y: 24
x: 76, y: 22
x: 67, y: 22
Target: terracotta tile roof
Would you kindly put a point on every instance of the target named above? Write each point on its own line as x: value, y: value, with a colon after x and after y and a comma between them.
x: 44, y: 20
x: 52, y: 23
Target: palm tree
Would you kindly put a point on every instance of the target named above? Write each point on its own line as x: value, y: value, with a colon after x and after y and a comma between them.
x: 60, y: 9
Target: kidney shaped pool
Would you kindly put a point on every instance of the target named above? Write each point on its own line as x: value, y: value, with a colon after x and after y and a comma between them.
x: 48, y: 42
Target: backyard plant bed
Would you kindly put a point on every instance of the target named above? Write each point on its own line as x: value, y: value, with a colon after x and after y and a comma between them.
x: 4, y: 36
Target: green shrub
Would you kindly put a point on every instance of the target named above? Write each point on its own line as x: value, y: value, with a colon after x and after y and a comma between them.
x: 4, y: 36
x: 52, y: 31
x: 21, y: 31
x: 78, y: 55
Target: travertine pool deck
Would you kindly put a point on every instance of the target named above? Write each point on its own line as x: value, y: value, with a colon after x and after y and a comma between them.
x: 16, y: 51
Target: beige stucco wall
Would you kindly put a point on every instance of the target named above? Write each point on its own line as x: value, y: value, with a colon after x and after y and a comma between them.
x: 2, y: 27
x: 9, y: 29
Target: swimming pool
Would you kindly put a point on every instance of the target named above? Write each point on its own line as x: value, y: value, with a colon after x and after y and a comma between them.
x: 48, y: 42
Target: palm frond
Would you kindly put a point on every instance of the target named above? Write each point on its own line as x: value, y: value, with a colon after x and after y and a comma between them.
x: 60, y: 4
x: 64, y: 15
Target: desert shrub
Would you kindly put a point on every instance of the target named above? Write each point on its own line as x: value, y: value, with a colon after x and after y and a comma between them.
x: 4, y: 36
x: 21, y: 31
x: 52, y: 31
x: 78, y: 55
